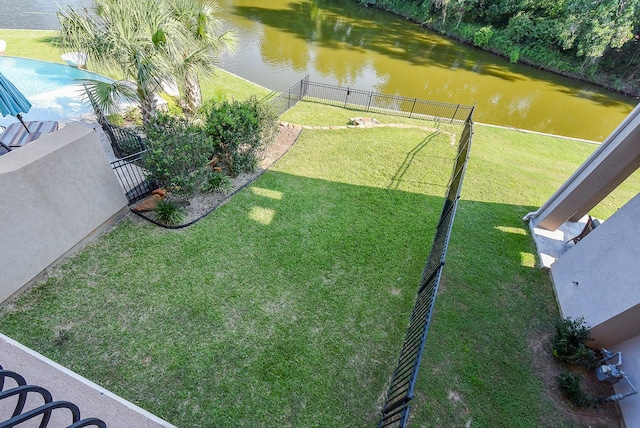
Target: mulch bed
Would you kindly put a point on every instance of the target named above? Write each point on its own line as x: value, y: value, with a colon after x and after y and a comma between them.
x: 200, y: 205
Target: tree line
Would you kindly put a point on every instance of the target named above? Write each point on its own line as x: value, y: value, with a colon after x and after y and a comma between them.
x: 595, y: 40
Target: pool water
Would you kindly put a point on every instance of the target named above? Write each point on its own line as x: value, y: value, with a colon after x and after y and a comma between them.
x: 53, y: 89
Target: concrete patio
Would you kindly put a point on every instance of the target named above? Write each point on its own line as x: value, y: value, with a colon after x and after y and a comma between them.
x: 65, y: 385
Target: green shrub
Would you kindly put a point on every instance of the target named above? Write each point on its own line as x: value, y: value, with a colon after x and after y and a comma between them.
x: 569, y: 343
x: 170, y: 212
x: 569, y: 385
x: 514, y: 54
x: 482, y: 37
x: 217, y: 182
x: 521, y: 28
x: 241, y: 130
x: 133, y: 116
x: 178, y: 152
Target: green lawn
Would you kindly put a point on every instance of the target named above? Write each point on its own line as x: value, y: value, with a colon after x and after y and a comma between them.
x: 36, y: 44
x: 287, y: 306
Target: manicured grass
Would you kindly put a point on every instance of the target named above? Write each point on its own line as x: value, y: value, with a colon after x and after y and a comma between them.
x: 224, y: 85
x: 35, y: 44
x: 286, y: 307
x: 496, y: 309
x: 317, y: 114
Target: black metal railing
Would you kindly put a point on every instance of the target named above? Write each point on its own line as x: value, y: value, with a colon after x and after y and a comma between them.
x: 16, y: 397
x: 133, y: 177
x: 357, y: 99
x: 395, y: 411
x: 123, y: 141
x: 290, y: 97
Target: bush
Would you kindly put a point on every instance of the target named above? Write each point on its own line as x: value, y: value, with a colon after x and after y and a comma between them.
x: 241, y: 131
x: 521, y: 28
x: 170, y: 213
x: 177, y: 154
x: 569, y: 343
x: 569, y: 385
x: 514, y: 54
x: 217, y: 182
x: 483, y: 36
x: 117, y: 119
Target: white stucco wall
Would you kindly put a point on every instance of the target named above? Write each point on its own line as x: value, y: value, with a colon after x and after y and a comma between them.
x: 599, y: 278
x: 55, y: 193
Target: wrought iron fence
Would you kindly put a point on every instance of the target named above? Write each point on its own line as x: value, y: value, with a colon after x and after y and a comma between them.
x: 395, y: 412
x: 16, y: 397
x: 357, y: 99
x: 290, y: 97
x: 133, y: 177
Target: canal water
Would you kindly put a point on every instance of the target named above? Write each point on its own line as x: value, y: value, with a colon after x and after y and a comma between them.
x: 339, y: 42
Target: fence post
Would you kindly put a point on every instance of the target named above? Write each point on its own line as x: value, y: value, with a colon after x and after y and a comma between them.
x: 412, y: 107
x: 346, y: 97
x: 304, y: 87
x: 454, y: 113
x: 369, y: 105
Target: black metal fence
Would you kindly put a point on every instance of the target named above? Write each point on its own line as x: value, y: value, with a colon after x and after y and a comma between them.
x: 133, y: 177
x: 291, y: 96
x: 373, y: 102
x: 395, y: 412
x: 16, y: 398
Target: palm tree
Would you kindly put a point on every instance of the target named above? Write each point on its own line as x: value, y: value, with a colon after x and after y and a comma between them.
x: 138, y: 40
x: 199, y: 58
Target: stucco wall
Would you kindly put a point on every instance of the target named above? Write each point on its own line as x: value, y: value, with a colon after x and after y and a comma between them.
x: 598, y: 278
x: 56, y: 193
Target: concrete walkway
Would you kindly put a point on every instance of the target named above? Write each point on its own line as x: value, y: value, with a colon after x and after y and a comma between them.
x: 65, y: 385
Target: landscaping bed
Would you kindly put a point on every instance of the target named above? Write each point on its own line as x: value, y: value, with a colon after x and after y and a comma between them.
x: 201, y: 204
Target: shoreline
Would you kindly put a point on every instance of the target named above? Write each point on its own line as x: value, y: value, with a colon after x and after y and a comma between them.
x: 635, y: 94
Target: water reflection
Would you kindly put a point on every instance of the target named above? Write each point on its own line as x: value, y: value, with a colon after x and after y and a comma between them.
x: 341, y: 43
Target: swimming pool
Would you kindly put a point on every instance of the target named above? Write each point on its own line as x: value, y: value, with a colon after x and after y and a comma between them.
x: 52, y: 89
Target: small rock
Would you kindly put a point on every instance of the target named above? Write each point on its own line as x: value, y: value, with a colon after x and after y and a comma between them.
x: 363, y: 121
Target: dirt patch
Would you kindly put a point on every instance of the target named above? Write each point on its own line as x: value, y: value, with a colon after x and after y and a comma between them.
x: 202, y: 204
x: 548, y: 368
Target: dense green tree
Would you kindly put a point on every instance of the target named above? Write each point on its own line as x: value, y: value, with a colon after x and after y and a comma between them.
x: 592, y: 27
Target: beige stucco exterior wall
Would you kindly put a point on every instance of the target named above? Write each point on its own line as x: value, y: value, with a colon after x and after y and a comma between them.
x: 599, y: 278
x: 56, y: 193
